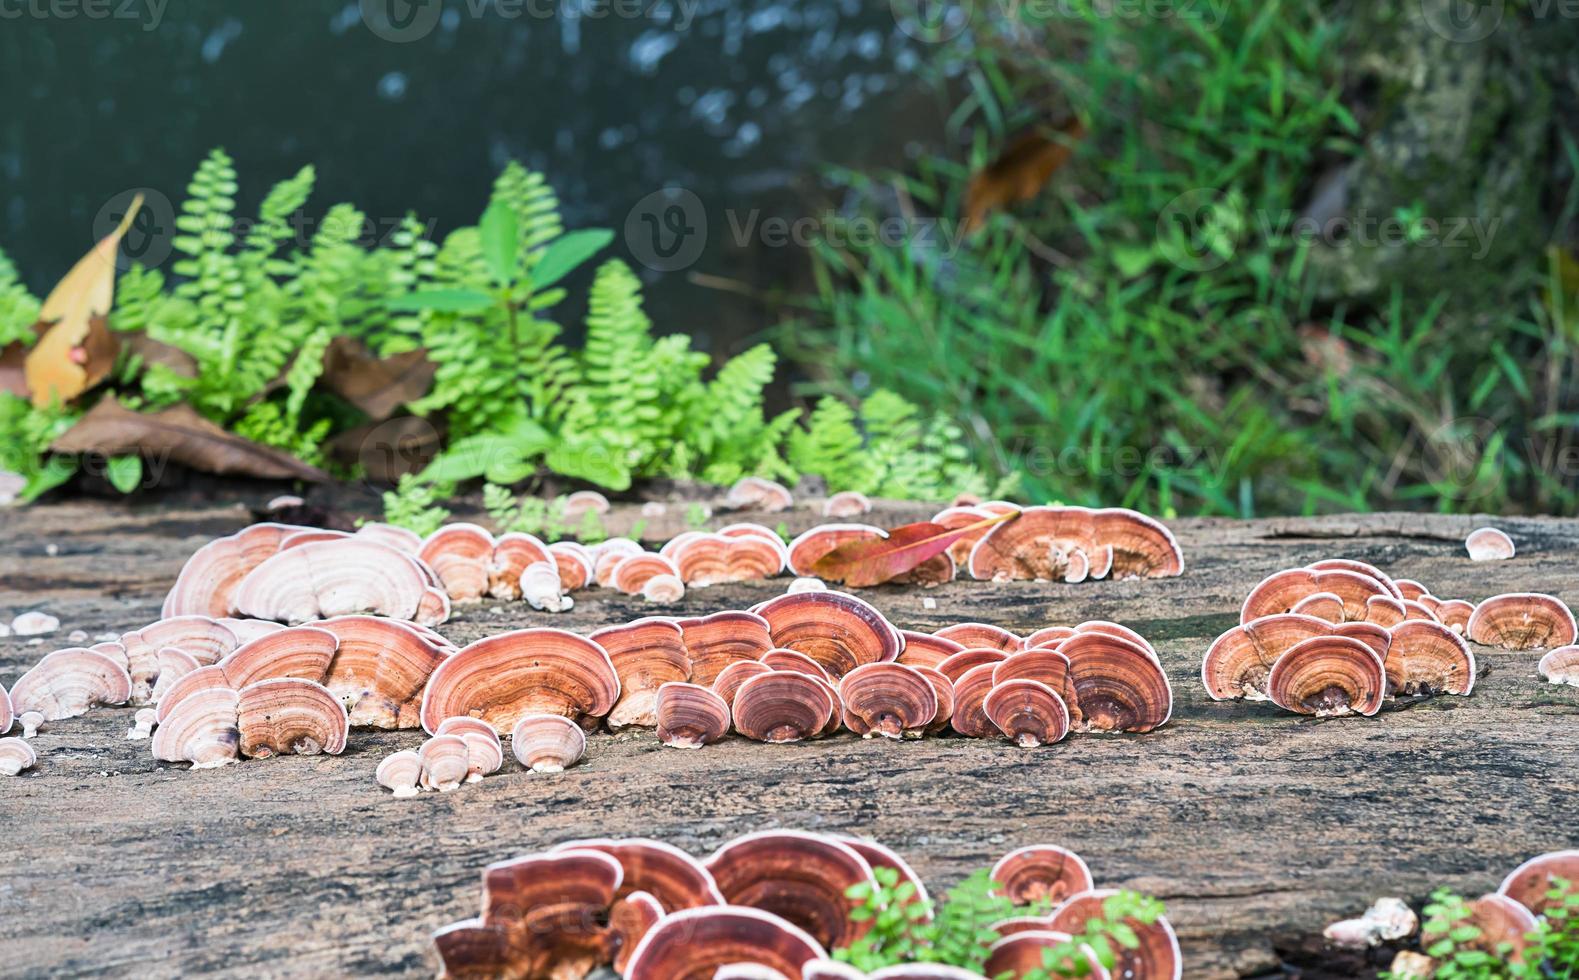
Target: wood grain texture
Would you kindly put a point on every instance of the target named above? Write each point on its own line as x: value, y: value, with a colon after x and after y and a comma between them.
x: 1256, y: 827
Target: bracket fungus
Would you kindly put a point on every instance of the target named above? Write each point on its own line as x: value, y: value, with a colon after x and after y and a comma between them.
x: 804, y: 878
x: 207, y: 582
x: 730, y: 678
x: 172, y: 664
x: 1328, y: 676
x: 6, y: 712
x: 783, y: 706
x: 811, y: 546
x: 323, y: 579
x: 1282, y: 591
x: 1428, y: 658
x: 446, y: 762
x: 1027, y: 712
x: 1045, y: 666
x: 756, y: 493
x: 303, y: 652
x: 573, y: 564
x: 663, y: 590
x: 579, y: 503
x: 674, y: 878
x: 836, y: 629
x: 887, y: 699
x: 1488, y: 544
x: 954, y: 667
x: 289, y: 716
x: 781, y: 658
x: 31, y: 722
x: 1156, y: 955
x: 1529, y: 883
x: 513, y: 553
x: 969, y: 717
x: 1560, y: 666
x: 974, y: 635
x: 630, y: 919
x: 632, y: 572
x: 943, y: 689
x: 694, y: 944
x: 461, y: 555
x: 714, y: 642
x: 15, y: 756
x: 1504, y: 926
x: 204, y: 639
x: 547, y: 743
x: 70, y: 682
x: 925, y: 649
x: 1023, y: 953
x: 646, y: 655
x: 1238, y: 662
x: 709, y: 559
x: 203, y: 730
x: 846, y: 503
x: 400, y: 772
x: 1522, y: 621
x: 1041, y: 872
x: 380, y: 668
x: 1042, y: 544
x: 1118, y: 684
x: 484, y: 753
x: 502, y: 678
x: 690, y: 716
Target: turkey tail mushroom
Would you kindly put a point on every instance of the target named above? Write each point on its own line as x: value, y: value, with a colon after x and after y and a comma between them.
x: 1041, y: 872
x: 1328, y: 676
x: 16, y: 755
x: 756, y: 493
x: 1522, y: 621
x: 400, y: 772
x: 1028, y: 713
x: 1560, y: 666
x: 1488, y: 544
x: 1428, y: 658
x: 694, y: 944
x: 70, y: 682
x: 803, y: 878
x: 836, y: 629
x: 646, y: 654
x: 714, y: 642
x: 783, y: 706
x: 1156, y: 955
x: 290, y: 716
x: 690, y: 716
x: 503, y: 678
x: 1530, y: 883
x: 887, y: 699
x: 547, y: 743
x: 1118, y: 684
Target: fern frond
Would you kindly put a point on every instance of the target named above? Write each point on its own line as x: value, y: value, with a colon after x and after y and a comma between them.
x: 18, y: 308
x: 831, y: 447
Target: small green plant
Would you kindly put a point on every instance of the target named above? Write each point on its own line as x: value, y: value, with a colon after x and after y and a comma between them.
x: 957, y: 932
x: 413, y: 504
x: 1104, y: 937
x: 1456, y: 947
x: 696, y: 516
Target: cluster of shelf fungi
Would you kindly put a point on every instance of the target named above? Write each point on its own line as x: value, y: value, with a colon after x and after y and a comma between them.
x: 774, y: 904
x: 280, y: 639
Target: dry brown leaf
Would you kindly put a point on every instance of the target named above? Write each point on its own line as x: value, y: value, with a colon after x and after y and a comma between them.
x: 873, y: 561
x: 1019, y: 173
x: 377, y: 386
x: 76, y: 349
x: 153, y: 351
x: 180, y: 434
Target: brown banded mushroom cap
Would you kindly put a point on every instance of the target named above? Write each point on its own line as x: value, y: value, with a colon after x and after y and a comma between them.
x: 974, y: 635
x: 578, y: 503
x: 143, y: 722
x: 400, y: 538
x: 1428, y: 658
x: 173, y: 664
x: 1522, y: 621
x: 782, y: 658
x: 204, y: 639
x: 380, y: 668
x: 756, y: 493
x: 547, y: 743
x: 513, y: 553
x: 804, y: 878
x: 714, y: 642
x: 926, y: 650
x: 302, y: 651
x: 31, y: 722
x: 1237, y: 663
x: 1027, y: 712
x: 708, y: 559
x: 1047, y: 636
x: 15, y: 756
x: 630, y: 919
x: 552, y: 907
x: 502, y: 678
x: 400, y: 772
x: 887, y: 699
x: 969, y: 717
x: 1156, y: 957
x: 1388, y: 583
x: 674, y: 544
x: 1488, y: 544
x: 463, y: 724
x: 1328, y: 676
x: 836, y: 716
x: 1282, y: 591
x: 836, y: 629
x: 846, y: 503
x: 943, y: 689
x: 1021, y: 953
x: 782, y: 706
x: 663, y: 590
x: 753, y: 529
x: 461, y: 555
x: 881, y: 856
x: 290, y: 716
x: 693, y: 943
x: 1409, y: 588
x: 1120, y: 631
x: 954, y: 667
x: 690, y: 716
x: 247, y: 630
x: 1415, y: 609
x: 573, y: 564
x: 202, y: 730
x: 1143, y: 547
x: 1529, y: 883
x: 730, y: 678
x: 834, y: 970
x: 1118, y: 684
x: 1328, y: 606
x: 1041, y: 872
x: 1037, y: 545
x: 646, y: 654
x: 484, y: 755
x: 937, y: 570
x: 207, y: 583
x: 334, y: 578
x: 1383, y: 610
x: 1376, y: 637
x: 68, y: 683
x: 805, y: 584
x: 958, y: 517
x: 1560, y: 666
x: 676, y: 879
x: 446, y: 762
x: 614, y: 546
x: 633, y: 571
x: 811, y: 546
x: 1455, y: 614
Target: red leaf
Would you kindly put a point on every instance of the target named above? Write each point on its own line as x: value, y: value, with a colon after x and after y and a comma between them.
x: 878, y: 560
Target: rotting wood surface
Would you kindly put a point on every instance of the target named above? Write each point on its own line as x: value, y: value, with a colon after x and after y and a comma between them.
x: 1256, y: 827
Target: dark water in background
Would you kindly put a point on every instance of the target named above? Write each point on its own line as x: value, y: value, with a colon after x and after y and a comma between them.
x: 737, y: 101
